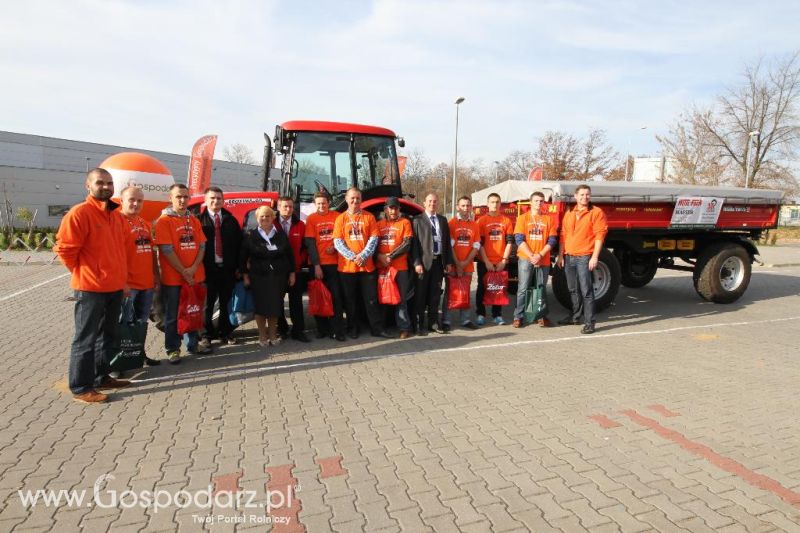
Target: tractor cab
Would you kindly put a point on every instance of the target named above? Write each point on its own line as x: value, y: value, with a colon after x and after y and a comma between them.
x: 332, y: 157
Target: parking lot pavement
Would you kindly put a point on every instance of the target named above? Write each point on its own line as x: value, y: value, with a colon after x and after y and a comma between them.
x: 677, y: 414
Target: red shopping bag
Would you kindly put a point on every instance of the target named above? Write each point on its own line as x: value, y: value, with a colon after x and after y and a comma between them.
x: 388, y: 293
x: 190, y: 308
x: 458, y: 293
x: 320, y: 301
x: 496, y: 284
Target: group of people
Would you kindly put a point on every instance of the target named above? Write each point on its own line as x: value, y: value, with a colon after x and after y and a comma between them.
x: 119, y: 264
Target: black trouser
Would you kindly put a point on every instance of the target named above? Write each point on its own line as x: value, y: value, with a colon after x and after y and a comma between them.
x: 295, y: 293
x: 480, y: 309
x: 367, y: 284
x: 219, y: 285
x: 96, y: 338
x: 334, y: 324
x: 427, y: 291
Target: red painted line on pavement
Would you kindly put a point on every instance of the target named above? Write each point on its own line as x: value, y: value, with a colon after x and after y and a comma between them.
x: 331, y: 467
x: 729, y: 465
x: 226, y: 482
x: 283, y: 483
x: 605, y: 422
x: 663, y: 411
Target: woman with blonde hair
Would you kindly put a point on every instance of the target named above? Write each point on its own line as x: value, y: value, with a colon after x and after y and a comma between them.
x: 267, y: 266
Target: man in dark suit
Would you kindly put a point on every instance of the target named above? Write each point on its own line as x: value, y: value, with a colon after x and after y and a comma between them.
x: 223, y: 240
x: 432, y: 257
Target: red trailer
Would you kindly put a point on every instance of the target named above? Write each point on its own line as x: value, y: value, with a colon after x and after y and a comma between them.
x: 709, y: 230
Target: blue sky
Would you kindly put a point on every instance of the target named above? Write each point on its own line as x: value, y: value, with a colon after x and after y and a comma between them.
x: 158, y: 75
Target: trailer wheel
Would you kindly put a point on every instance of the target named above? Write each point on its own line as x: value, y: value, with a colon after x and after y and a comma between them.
x: 722, y: 273
x: 606, y: 282
x: 637, y: 269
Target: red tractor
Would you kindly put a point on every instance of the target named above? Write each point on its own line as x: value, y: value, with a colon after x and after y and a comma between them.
x: 329, y: 157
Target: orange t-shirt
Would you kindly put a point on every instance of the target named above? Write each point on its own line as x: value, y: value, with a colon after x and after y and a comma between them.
x: 390, y: 236
x: 580, y: 228
x: 320, y: 228
x: 493, y: 230
x: 140, y: 253
x: 536, y: 229
x: 463, y: 235
x: 355, y: 230
x: 185, y: 234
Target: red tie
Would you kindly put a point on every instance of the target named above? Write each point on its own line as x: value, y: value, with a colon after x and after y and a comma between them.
x: 218, y: 238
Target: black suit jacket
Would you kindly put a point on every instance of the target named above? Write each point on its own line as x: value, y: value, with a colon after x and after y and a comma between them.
x: 231, y: 240
x: 422, y: 249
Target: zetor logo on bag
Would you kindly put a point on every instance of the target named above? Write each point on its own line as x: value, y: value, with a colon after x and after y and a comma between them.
x: 496, y: 284
x: 190, y: 307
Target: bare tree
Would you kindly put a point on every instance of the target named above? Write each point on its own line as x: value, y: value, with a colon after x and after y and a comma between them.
x: 766, y: 102
x: 239, y: 153
x: 559, y: 154
x: 516, y: 165
x: 418, y: 167
x: 690, y: 146
x: 597, y: 157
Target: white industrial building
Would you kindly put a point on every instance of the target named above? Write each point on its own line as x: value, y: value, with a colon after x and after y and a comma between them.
x: 47, y: 175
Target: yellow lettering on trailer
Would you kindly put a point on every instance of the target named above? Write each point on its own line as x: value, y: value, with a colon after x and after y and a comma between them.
x: 666, y: 244
x: 686, y: 244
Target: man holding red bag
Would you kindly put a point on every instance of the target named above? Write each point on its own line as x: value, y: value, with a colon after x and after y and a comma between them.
x: 466, y: 245
x: 181, y: 248
x: 496, y: 234
x: 394, y: 243
x: 325, y: 260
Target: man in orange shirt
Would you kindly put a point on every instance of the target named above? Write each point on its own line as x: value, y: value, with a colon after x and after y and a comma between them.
x: 583, y: 231
x: 181, y: 248
x: 466, y: 244
x: 497, y: 234
x: 91, y: 244
x: 394, y: 243
x: 355, y: 236
x: 535, y: 235
x: 142, y: 264
x: 324, y: 261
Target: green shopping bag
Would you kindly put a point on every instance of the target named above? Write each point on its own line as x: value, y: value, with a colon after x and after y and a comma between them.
x: 130, y: 355
x: 536, y: 299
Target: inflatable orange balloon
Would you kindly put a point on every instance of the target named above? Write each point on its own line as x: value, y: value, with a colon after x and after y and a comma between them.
x: 145, y: 172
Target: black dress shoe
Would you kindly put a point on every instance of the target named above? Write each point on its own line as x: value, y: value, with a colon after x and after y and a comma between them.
x: 353, y: 333
x: 470, y: 325
x: 339, y: 337
x: 151, y: 362
x: 569, y: 321
x: 445, y: 328
x: 436, y: 328
x: 422, y: 332
x: 302, y: 337
x: 322, y: 334
x: 383, y: 334
x: 587, y: 330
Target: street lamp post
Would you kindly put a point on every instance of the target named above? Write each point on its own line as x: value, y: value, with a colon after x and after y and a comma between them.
x: 444, y: 175
x: 455, y: 159
x: 754, y: 133
x: 496, y: 164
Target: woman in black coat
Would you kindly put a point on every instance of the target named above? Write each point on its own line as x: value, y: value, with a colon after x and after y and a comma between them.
x: 267, y: 266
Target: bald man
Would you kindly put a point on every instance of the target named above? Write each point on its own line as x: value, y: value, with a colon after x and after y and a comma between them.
x: 91, y: 244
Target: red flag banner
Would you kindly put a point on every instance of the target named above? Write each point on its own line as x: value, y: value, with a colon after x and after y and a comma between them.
x: 535, y: 174
x: 200, y: 165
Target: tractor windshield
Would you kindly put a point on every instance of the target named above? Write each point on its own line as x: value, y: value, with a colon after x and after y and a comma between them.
x: 334, y: 162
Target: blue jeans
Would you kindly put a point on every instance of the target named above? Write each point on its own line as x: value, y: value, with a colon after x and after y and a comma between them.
x: 401, y: 316
x: 137, y: 305
x: 171, y: 296
x: 96, y: 338
x: 580, y: 282
x: 527, y: 274
x: 463, y: 314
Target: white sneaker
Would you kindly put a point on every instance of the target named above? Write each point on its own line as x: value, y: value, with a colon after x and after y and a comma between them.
x: 499, y: 321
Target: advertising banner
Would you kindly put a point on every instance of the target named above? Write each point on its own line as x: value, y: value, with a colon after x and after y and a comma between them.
x: 696, y: 211
x: 200, y: 166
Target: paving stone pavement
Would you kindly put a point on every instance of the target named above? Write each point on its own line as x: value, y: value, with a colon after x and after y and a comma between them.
x: 676, y: 415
